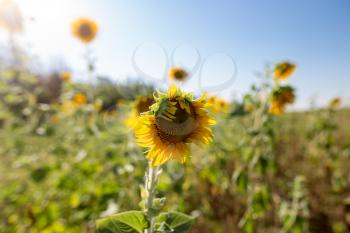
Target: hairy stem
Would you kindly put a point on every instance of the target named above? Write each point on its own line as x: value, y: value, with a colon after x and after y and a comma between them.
x: 150, y: 188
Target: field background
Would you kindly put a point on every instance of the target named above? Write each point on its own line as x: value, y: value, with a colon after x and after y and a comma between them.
x: 61, y: 170
x: 73, y: 75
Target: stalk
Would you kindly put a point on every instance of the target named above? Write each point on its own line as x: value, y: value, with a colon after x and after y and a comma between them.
x: 150, y: 188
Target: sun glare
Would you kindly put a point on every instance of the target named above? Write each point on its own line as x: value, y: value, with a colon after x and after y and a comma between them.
x: 45, y: 22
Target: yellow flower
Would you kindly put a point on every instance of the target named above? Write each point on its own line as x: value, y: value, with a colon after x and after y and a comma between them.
x: 276, y: 108
x: 284, y: 70
x: 141, y: 105
x: 334, y: 103
x: 174, y: 121
x: 66, y: 76
x: 84, y: 29
x: 55, y: 119
x: 178, y: 74
x: 98, y: 104
x: 281, y: 96
x: 218, y: 105
x: 249, y: 107
x: 79, y: 99
x: 68, y: 107
x: 109, y: 114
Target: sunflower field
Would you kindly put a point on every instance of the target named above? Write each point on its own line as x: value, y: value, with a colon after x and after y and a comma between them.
x: 136, y: 157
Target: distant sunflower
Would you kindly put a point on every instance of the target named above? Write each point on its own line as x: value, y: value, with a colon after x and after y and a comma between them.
x: 98, y: 105
x: 174, y: 121
x: 334, y: 103
x: 84, y: 29
x: 178, y: 74
x: 66, y: 76
x: 141, y: 105
x: 281, y: 96
x: 276, y: 108
x: 284, y: 70
x: 218, y: 104
x: 79, y: 99
x: 109, y: 114
x: 68, y: 107
x: 55, y: 119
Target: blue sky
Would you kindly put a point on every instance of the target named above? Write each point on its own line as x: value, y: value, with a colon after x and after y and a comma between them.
x: 314, y: 34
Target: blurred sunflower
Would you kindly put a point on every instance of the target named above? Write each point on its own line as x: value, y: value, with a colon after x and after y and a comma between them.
x: 276, y: 108
x: 84, y: 29
x: 10, y: 16
x: 284, y: 70
x: 174, y: 121
x: 178, y: 74
x: 66, y: 76
x: 141, y: 105
x: 79, y: 99
x: 334, y: 103
x: 55, y: 119
x: 218, y: 105
x: 68, y: 107
x: 281, y: 96
x: 109, y: 114
x: 98, y: 105
x: 249, y: 107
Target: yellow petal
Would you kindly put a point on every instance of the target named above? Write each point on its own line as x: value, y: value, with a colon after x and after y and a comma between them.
x: 172, y: 91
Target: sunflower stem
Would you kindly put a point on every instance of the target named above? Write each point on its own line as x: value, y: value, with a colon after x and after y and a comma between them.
x: 150, y: 188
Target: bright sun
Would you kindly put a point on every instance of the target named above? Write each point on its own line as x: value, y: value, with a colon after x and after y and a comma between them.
x: 47, y: 23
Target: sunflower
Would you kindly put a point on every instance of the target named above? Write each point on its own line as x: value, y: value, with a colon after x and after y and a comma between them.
x: 174, y: 121
x: 66, y: 76
x: 55, y: 119
x: 334, y: 103
x: 109, y: 114
x: 141, y: 105
x: 276, y: 108
x: 98, y: 105
x: 68, y: 107
x: 281, y: 96
x: 218, y: 105
x: 284, y: 70
x: 178, y: 74
x: 249, y: 107
x: 84, y: 29
x: 79, y: 99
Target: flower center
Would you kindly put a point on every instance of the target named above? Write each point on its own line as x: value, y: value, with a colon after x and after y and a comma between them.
x: 143, y: 105
x: 179, y: 74
x: 85, y: 30
x: 178, y: 129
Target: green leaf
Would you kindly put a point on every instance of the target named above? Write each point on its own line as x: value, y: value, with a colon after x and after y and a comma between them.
x: 247, y: 224
x: 126, y: 222
x: 177, y: 222
x: 241, y: 180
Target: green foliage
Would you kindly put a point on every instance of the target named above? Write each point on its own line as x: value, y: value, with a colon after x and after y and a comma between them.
x: 241, y: 181
x: 294, y: 214
x: 111, y: 93
x: 65, y: 170
x: 126, y: 222
x: 247, y: 224
x: 40, y: 174
x: 173, y: 222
